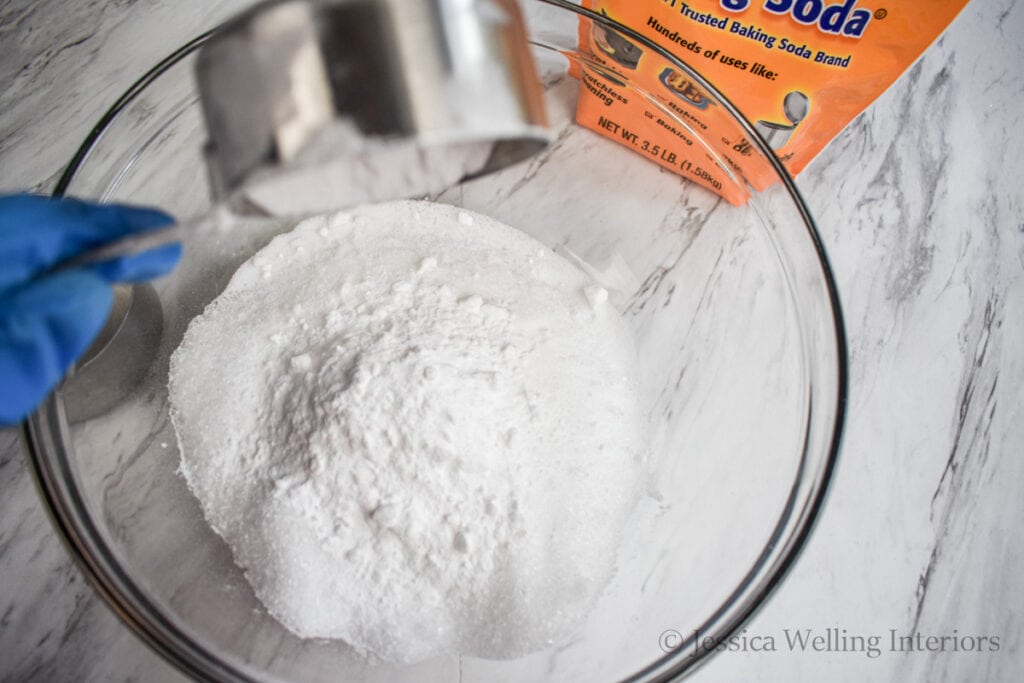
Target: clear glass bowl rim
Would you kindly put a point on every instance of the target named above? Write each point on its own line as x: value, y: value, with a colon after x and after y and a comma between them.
x: 51, y: 466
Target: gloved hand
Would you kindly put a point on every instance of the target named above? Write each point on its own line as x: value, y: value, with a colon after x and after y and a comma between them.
x: 47, y: 320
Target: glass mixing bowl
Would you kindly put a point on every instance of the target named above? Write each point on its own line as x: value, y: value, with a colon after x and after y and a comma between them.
x: 741, y: 352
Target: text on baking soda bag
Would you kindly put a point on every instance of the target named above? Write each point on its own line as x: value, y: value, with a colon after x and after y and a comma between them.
x: 800, y: 70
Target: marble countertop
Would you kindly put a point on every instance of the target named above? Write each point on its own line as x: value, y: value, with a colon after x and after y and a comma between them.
x: 921, y: 208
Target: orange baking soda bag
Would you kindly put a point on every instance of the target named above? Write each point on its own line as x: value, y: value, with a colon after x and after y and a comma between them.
x: 799, y: 70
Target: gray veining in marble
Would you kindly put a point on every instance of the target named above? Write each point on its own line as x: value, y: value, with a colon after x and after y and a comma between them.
x: 921, y: 206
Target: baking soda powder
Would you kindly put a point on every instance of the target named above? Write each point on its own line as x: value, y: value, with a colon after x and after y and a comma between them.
x: 417, y: 429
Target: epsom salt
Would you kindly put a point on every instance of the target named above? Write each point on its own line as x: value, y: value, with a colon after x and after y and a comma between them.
x: 417, y: 429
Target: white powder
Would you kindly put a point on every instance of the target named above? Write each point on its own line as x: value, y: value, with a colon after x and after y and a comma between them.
x: 341, y: 167
x: 417, y: 429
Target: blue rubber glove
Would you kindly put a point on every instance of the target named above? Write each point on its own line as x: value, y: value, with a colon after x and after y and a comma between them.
x: 47, y: 320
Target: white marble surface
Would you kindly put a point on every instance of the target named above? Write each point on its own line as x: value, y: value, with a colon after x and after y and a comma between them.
x: 922, y: 213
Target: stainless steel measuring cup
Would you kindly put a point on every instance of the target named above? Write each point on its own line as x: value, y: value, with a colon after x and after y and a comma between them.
x: 338, y: 102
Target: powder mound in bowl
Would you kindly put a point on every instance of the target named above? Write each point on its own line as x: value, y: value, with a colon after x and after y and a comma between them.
x: 417, y: 429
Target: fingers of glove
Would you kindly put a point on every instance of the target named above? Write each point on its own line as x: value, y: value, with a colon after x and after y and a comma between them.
x: 38, y: 232
x: 140, y: 267
x: 44, y: 327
